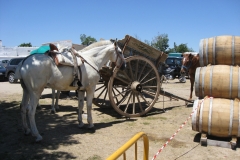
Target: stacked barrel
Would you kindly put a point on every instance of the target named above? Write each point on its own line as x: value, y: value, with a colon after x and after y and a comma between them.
x: 218, y: 78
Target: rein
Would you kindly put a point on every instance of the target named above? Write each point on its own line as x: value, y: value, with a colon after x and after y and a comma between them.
x: 117, y: 58
x: 84, y: 60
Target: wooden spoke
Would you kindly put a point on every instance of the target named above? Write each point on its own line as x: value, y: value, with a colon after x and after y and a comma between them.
x: 142, y: 71
x: 146, y: 75
x: 136, y: 70
x: 144, y: 99
x: 148, y: 80
x: 133, y: 108
x: 125, y: 74
x: 122, y: 80
x: 120, y: 93
x: 149, y: 93
x: 122, y: 100
x: 128, y: 102
x: 100, y: 87
x: 139, y: 102
x: 130, y: 69
x: 102, y: 92
x: 115, y: 95
x: 102, y: 100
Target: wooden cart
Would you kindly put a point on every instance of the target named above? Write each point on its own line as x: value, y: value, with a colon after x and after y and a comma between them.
x: 133, y: 91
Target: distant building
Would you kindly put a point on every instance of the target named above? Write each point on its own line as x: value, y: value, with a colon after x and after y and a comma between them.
x: 78, y: 46
x: 67, y: 43
x: 12, y: 52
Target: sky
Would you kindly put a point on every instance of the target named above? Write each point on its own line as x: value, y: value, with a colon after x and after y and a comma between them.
x: 184, y: 21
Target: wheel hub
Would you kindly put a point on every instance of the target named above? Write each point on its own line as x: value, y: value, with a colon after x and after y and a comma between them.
x: 136, y: 86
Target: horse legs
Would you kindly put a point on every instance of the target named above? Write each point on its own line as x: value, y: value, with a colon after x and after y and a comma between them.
x: 80, y: 108
x: 192, y: 79
x: 90, y: 95
x: 54, y: 107
x: 24, y: 106
x: 34, y: 98
x: 57, y: 98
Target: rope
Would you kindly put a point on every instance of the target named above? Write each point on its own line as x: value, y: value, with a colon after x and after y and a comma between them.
x: 160, y: 150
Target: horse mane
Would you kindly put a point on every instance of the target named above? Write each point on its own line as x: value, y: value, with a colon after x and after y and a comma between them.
x: 195, y: 61
x: 96, y: 44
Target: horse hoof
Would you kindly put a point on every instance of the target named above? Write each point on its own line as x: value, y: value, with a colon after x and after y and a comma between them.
x: 91, y: 128
x: 53, y: 112
x: 81, y: 125
x: 39, y: 139
x: 27, y: 132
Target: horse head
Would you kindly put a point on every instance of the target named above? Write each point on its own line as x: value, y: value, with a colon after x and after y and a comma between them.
x: 118, y: 57
x: 186, y: 63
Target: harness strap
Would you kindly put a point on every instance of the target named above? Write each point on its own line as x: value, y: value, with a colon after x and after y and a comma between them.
x: 77, y: 73
x: 84, y: 60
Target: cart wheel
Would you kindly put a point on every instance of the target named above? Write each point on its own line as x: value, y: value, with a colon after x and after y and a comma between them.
x: 101, y: 97
x: 134, y: 91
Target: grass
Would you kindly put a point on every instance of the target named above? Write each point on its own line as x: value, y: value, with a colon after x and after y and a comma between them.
x: 95, y: 157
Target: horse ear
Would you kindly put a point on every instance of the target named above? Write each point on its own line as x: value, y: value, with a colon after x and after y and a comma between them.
x: 115, y: 43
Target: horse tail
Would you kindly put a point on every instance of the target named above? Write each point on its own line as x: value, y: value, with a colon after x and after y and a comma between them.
x: 18, y: 72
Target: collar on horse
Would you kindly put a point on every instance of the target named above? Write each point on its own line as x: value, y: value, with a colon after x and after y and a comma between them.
x: 188, y: 66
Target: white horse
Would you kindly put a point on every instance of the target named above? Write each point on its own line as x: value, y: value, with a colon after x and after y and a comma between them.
x: 38, y: 71
x: 65, y: 51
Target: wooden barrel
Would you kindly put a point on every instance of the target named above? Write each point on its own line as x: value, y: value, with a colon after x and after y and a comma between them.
x: 219, y: 81
x: 217, y: 117
x: 220, y: 50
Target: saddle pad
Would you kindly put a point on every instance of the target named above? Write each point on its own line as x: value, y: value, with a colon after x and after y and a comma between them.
x: 41, y: 50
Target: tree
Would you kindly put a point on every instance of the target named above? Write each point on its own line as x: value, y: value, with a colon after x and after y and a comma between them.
x: 25, y: 45
x: 87, y: 40
x: 179, y: 48
x: 147, y: 42
x: 160, y: 42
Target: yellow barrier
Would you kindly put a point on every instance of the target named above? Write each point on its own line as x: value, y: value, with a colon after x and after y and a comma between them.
x: 122, y: 150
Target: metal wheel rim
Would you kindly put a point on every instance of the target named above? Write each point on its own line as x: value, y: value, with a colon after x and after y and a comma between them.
x: 11, y: 78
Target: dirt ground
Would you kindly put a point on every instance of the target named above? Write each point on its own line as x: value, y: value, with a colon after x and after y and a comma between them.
x: 62, y: 139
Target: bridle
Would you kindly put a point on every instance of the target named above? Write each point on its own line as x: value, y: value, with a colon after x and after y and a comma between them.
x: 119, y: 55
x: 186, y: 68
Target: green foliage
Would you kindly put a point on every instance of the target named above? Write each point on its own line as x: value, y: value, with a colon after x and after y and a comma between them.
x: 87, y: 40
x: 179, y: 48
x: 147, y: 42
x: 25, y: 45
x: 160, y: 42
